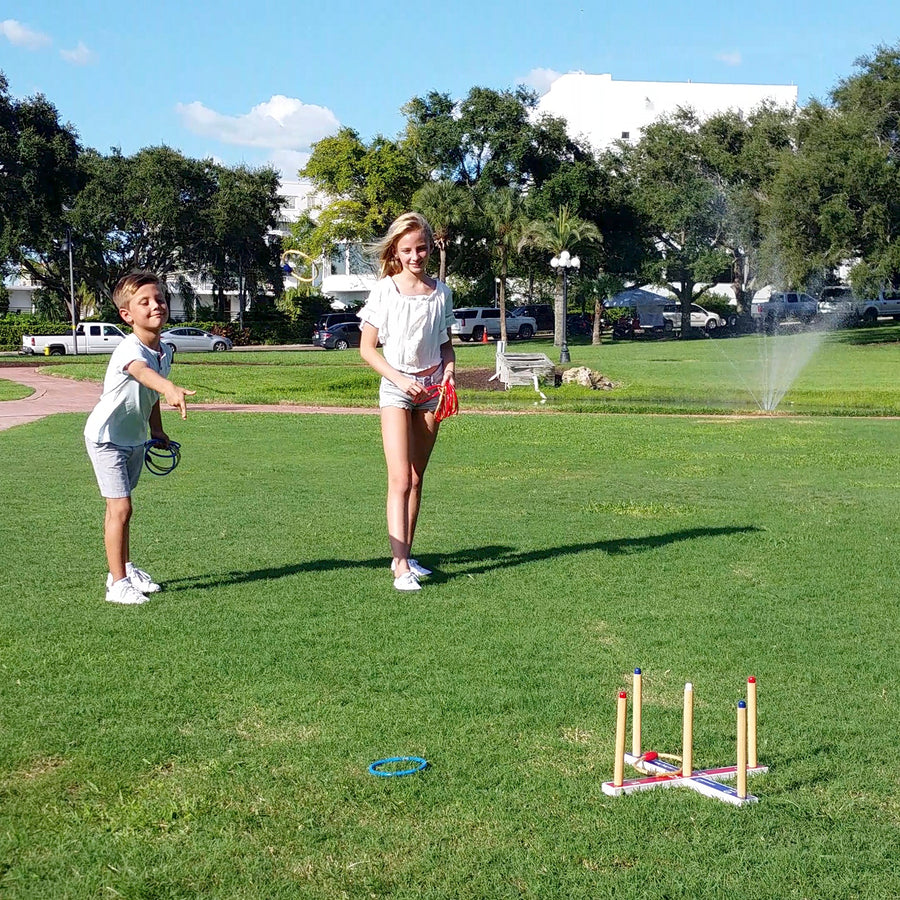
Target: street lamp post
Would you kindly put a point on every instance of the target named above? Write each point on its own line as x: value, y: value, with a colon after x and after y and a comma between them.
x: 565, y: 262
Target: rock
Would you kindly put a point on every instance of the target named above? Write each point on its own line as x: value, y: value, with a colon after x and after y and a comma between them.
x: 588, y: 378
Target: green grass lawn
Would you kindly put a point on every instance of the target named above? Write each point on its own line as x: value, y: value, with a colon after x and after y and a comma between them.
x: 850, y: 372
x: 10, y: 390
x: 214, y: 743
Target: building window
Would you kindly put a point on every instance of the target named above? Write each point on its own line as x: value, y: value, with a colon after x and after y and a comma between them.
x: 626, y: 135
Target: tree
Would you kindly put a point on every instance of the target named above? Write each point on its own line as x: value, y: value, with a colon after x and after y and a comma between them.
x: 743, y: 155
x: 38, y: 179
x: 148, y: 211
x: 369, y: 185
x: 490, y: 137
x: 596, y: 290
x: 447, y: 208
x: 504, y: 215
x: 682, y: 208
x: 240, y: 250
x: 555, y: 233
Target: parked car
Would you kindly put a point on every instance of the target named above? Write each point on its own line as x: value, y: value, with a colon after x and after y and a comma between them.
x: 700, y: 317
x: 542, y: 313
x: 189, y: 340
x: 579, y: 325
x: 335, y: 318
x: 339, y: 336
x: 474, y: 321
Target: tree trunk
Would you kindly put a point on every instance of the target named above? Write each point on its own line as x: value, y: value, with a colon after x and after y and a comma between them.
x: 685, y: 296
x: 598, y: 315
x: 502, y: 297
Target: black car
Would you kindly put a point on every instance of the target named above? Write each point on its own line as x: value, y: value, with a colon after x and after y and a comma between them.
x: 579, y: 325
x: 334, y: 318
x: 542, y: 313
x: 339, y: 336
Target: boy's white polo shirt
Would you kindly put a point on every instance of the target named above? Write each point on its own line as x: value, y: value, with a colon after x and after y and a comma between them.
x: 123, y: 411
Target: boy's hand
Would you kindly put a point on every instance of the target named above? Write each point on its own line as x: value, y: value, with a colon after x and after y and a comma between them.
x: 175, y: 397
x: 160, y: 436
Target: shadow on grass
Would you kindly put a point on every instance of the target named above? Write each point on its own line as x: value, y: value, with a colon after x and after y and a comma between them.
x: 490, y: 560
x: 473, y: 561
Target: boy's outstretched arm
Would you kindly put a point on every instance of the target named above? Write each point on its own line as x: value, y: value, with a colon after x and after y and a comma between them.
x: 175, y: 396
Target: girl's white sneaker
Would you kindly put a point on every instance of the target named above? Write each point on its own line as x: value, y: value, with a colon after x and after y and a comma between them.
x: 414, y: 567
x: 417, y: 570
x: 123, y: 591
x: 407, y: 582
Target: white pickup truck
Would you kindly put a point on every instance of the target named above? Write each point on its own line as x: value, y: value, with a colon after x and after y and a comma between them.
x: 840, y: 303
x: 783, y: 305
x: 91, y: 337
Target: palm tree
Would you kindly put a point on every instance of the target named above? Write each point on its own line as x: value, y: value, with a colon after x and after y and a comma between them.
x: 598, y: 289
x: 446, y: 206
x: 557, y: 233
x: 504, y: 215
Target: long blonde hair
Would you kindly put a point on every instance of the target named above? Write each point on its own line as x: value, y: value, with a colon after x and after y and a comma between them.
x: 385, y: 250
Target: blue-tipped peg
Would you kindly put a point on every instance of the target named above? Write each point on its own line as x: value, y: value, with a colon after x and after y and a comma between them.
x: 637, y: 671
x: 742, y: 704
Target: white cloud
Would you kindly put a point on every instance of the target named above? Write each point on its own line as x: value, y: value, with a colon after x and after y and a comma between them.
x: 541, y: 79
x: 23, y: 36
x: 732, y: 58
x: 289, y: 163
x: 281, y: 123
x: 80, y: 55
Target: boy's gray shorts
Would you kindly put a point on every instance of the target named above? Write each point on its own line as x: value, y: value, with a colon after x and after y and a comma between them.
x: 117, y: 468
x: 390, y: 395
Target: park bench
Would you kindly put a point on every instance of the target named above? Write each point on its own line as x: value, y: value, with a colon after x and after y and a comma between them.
x: 522, y: 368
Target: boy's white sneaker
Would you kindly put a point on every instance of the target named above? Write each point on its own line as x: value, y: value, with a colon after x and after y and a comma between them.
x: 407, y: 582
x: 141, y: 580
x: 123, y: 591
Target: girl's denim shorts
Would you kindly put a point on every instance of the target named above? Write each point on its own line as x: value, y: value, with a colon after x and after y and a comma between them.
x: 390, y: 395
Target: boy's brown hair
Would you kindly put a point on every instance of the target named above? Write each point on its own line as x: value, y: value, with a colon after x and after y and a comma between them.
x: 130, y: 284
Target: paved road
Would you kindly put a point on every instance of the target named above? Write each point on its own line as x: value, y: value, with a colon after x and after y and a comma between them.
x: 53, y: 394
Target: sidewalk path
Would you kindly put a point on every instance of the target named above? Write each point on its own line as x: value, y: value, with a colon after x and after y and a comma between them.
x: 54, y: 395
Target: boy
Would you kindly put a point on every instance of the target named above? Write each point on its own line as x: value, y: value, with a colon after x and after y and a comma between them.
x: 116, y: 430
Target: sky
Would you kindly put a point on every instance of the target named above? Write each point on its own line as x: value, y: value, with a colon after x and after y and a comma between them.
x: 259, y: 83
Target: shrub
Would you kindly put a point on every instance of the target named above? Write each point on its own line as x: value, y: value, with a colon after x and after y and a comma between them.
x: 13, y: 327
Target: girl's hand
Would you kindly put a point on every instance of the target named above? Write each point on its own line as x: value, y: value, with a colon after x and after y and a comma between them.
x: 414, y: 389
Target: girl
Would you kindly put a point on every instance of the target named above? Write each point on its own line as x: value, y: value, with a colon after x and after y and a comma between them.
x: 410, y: 313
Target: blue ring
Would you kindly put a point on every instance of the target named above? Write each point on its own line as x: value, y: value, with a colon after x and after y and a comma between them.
x: 420, y: 764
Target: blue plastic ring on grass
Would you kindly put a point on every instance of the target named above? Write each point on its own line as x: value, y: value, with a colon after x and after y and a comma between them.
x: 375, y: 767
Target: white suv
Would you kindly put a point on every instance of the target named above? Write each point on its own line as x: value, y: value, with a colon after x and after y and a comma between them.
x: 473, y: 322
x: 700, y: 317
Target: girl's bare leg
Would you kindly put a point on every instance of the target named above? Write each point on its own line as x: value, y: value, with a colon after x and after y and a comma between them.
x: 396, y: 436
x: 408, y: 439
x: 424, y: 434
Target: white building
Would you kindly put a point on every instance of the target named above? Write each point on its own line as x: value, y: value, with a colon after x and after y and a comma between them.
x: 347, y: 275
x: 298, y: 197
x: 602, y: 110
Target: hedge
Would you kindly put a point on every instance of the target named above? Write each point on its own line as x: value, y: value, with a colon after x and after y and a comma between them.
x: 272, y: 331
